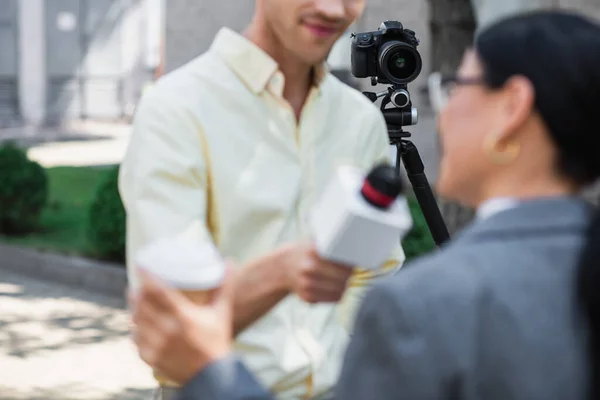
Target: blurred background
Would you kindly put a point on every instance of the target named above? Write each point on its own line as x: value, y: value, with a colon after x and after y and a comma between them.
x: 71, y: 74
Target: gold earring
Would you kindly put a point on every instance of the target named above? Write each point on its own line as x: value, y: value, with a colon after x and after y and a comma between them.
x: 500, y: 154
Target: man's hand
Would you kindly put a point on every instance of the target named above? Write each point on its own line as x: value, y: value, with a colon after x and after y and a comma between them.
x: 293, y: 268
x: 177, y: 337
x: 313, y: 279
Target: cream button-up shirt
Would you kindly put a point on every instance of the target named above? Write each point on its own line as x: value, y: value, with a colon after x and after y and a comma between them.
x: 217, y: 152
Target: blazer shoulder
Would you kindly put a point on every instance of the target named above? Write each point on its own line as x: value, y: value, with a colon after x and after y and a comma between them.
x: 446, y: 277
x: 438, y: 299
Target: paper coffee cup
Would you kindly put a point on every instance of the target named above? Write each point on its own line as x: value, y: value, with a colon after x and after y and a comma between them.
x: 196, y: 269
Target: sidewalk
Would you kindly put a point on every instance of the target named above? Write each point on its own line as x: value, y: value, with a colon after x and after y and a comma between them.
x: 78, y: 143
x: 61, y: 343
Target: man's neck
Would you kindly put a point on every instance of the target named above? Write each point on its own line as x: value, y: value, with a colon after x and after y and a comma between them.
x: 298, y: 75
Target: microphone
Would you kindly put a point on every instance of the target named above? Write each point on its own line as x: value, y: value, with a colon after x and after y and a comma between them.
x: 381, y: 187
x: 359, y: 219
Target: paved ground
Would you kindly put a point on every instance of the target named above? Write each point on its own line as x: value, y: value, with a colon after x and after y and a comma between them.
x: 77, y: 143
x: 59, y: 343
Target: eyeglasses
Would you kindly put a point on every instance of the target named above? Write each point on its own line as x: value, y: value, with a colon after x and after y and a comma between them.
x: 441, y: 88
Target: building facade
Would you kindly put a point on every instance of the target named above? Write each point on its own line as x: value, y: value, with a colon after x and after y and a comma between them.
x: 73, y: 59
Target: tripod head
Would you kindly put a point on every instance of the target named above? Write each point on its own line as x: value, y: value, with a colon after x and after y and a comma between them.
x: 400, y: 114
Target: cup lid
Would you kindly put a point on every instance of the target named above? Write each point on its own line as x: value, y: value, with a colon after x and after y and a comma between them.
x: 182, y: 263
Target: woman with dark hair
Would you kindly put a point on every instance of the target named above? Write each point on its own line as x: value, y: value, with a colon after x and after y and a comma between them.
x: 508, y: 309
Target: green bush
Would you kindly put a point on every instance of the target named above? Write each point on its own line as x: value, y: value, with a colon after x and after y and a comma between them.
x: 106, y: 220
x: 419, y: 240
x: 23, y: 191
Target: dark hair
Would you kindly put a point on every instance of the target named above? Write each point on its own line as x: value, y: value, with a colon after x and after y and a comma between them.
x: 559, y: 52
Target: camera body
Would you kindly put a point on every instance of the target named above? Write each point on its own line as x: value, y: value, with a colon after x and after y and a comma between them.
x: 388, y: 54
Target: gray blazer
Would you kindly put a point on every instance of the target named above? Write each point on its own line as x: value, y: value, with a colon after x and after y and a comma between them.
x: 492, y: 315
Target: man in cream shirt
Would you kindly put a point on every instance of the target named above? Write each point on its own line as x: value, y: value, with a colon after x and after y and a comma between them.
x: 235, y: 147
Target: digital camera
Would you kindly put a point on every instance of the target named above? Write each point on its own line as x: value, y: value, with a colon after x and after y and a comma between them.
x: 388, y: 54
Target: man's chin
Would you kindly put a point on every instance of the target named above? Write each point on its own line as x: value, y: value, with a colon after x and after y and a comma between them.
x: 315, y: 51
x: 313, y: 59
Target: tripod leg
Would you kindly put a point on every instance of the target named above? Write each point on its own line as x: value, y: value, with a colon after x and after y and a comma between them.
x: 415, y: 171
x: 398, y: 153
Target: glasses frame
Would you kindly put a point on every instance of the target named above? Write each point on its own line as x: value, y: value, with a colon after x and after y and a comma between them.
x: 436, y: 82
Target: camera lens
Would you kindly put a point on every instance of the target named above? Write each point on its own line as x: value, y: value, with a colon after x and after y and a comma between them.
x: 399, y: 62
x: 401, y: 65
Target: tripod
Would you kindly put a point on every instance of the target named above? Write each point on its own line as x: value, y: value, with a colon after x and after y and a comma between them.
x: 400, y: 115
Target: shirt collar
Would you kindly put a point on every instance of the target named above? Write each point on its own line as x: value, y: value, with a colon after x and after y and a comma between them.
x: 494, y: 206
x: 251, y: 64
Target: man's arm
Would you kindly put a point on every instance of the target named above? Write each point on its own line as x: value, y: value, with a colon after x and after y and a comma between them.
x: 226, y: 379
x: 296, y: 268
x: 163, y: 177
x: 259, y: 286
x: 164, y: 187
